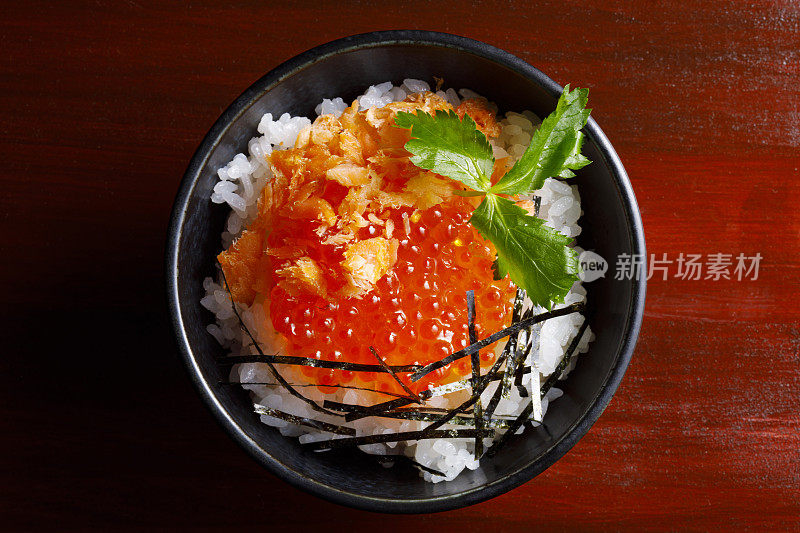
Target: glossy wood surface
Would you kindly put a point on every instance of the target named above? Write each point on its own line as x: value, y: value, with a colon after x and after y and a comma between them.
x: 102, y: 105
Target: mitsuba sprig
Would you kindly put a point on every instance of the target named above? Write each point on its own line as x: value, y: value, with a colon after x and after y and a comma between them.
x: 537, y: 258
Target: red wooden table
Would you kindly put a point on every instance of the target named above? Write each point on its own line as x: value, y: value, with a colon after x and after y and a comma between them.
x: 104, y: 103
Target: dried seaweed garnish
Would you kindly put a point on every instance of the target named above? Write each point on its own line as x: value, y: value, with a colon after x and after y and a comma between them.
x: 303, y: 421
x: 473, y: 335
x: 277, y: 375
x: 424, y: 409
x: 505, y: 332
x: 354, y: 412
x: 425, y: 416
x: 495, y: 399
x: 300, y: 385
x: 380, y: 408
x: 398, y: 437
x: 514, y: 359
x: 475, y: 361
x: 362, y: 411
x: 464, y: 384
x: 410, y: 392
x: 545, y: 388
x: 512, y: 429
x: 355, y: 408
x: 451, y: 387
x: 426, y: 468
x: 476, y: 394
x: 509, y: 349
x: 407, y: 459
x: 317, y: 363
x: 531, y: 340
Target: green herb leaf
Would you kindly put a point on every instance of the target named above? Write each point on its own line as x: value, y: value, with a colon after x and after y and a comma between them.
x: 537, y: 257
x: 555, y: 149
x: 449, y: 146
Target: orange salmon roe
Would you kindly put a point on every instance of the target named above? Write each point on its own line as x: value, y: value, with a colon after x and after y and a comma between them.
x: 355, y: 247
x: 416, y: 314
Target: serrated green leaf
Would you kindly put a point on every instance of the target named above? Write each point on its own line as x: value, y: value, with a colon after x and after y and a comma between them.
x: 536, y: 257
x: 449, y: 146
x: 555, y: 148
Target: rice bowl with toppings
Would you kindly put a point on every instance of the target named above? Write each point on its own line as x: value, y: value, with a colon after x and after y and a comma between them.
x: 340, y: 250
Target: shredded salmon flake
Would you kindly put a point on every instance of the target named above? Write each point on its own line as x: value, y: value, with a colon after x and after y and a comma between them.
x: 367, y: 261
x: 304, y: 275
x: 240, y: 263
x: 349, y: 174
x: 428, y: 189
x: 481, y: 112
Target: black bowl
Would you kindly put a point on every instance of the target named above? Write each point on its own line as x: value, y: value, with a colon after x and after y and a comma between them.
x: 612, y: 226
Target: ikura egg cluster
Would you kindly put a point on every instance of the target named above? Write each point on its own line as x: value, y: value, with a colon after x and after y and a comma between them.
x: 416, y: 314
x: 354, y: 246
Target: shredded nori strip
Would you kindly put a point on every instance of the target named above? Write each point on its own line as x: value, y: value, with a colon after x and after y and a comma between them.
x: 355, y: 408
x: 352, y: 408
x: 410, y: 392
x: 400, y: 402
x: 514, y: 358
x: 303, y: 421
x: 493, y: 401
x: 510, y: 348
x: 318, y: 363
x: 473, y: 336
x: 365, y: 411
x: 425, y: 416
x: 425, y: 409
x: 426, y: 468
x: 300, y: 385
x: 397, y: 437
x: 475, y: 361
x: 532, y: 340
x: 361, y: 411
x: 407, y: 459
x: 518, y: 372
x: 505, y: 332
x: 476, y: 394
x: 455, y: 386
x: 272, y: 368
x: 545, y: 388
x: 512, y: 428
x: 522, y: 370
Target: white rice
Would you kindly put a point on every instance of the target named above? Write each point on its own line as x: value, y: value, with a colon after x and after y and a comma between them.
x: 239, y: 186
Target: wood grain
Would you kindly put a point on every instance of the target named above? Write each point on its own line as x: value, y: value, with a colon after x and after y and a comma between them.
x: 101, y: 107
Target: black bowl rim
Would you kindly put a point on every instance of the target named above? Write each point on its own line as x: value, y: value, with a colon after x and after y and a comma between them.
x: 298, y: 479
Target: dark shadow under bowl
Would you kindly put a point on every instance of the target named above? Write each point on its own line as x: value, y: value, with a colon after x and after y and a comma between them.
x: 611, y: 226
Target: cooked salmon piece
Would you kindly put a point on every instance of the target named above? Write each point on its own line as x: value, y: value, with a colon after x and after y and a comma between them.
x: 481, y: 112
x: 240, y: 264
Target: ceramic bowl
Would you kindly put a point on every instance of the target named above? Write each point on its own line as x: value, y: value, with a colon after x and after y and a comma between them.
x: 611, y: 227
